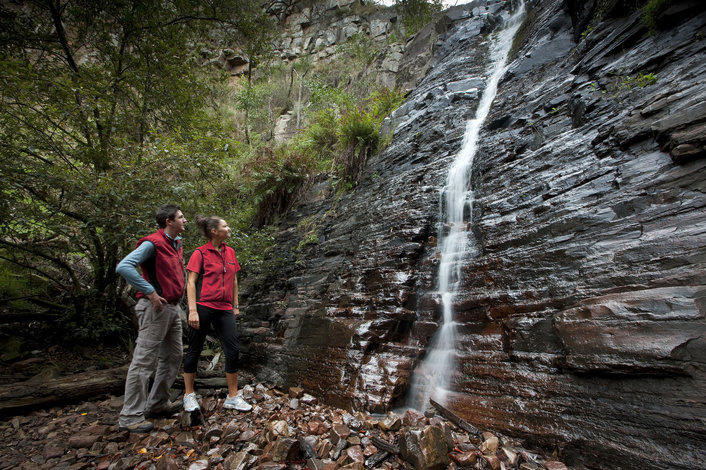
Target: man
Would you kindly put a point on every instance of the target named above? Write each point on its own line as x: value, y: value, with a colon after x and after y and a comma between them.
x: 158, y: 349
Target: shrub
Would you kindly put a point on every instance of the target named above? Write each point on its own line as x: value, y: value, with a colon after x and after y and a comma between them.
x: 384, y: 101
x: 359, y: 136
x: 417, y: 13
x: 651, y: 11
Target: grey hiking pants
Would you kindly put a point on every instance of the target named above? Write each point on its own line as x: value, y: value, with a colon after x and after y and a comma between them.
x: 158, y: 351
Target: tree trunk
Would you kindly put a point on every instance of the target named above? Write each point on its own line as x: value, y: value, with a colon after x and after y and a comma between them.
x: 24, y: 317
x: 20, y: 396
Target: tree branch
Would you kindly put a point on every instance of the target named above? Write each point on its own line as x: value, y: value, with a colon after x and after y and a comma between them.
x: 32, y: 267
x: 54, y: 8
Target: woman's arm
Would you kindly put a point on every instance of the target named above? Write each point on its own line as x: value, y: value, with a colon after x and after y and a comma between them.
x: 236, y: 307
x: 193, y: 318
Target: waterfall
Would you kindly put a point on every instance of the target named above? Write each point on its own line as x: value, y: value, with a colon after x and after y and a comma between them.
x: 431, y: 379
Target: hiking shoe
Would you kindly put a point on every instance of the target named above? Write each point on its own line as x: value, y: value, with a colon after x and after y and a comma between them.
x: 168, y: 410
x: 237, y: 403
x: 190, y: 402
x: 139, y: 428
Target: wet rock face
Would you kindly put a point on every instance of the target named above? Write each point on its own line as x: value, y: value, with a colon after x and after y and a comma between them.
x: 582, y: 319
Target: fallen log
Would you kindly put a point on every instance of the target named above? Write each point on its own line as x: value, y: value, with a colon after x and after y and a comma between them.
x: 377, y: 459
x: 203, y: 382
x: 7, y: 318
x: 31, y: 394
x: 454, y: 418
x: 384, y: 445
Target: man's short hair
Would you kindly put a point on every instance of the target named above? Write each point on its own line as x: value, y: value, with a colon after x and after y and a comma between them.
x: 166, y: 212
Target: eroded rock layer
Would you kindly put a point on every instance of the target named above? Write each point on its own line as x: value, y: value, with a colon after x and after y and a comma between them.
x: 582, y: 319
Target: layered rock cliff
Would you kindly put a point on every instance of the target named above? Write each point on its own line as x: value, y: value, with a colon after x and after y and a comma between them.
x: 583, y: 315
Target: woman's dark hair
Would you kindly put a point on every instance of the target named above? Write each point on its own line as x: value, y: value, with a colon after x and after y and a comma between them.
x: 208, y: 223
x: 166, y: 212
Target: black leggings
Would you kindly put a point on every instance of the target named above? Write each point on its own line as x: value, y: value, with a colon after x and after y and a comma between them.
x: 223, y: 322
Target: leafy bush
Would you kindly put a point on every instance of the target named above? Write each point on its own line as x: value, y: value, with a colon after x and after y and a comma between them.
x: 417, y: 13
x: 651, y: 11
x: 358, y: 128
x: 384, y: 101
x: 361, y: 48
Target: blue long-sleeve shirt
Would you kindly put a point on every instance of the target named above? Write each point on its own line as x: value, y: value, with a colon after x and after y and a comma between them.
x: 127, y: 267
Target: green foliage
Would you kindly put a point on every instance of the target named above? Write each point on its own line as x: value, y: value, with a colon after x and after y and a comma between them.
x: 310, y: 239
x: 384, y: 101
x: 651, y: 11
x: 361, y: 48
x: 643, y: 80
x: 523, y: 33
x: 628, y: 82
x: 359, y: 128
x: 359, y: 132
x: 324, y: 95
x: 102, y: 118
x: 271, y: 178
x: 17, y: 285
x: 622, y: 84
x: 587, y: 31
x: 416, y: 14
x: 338, y: 135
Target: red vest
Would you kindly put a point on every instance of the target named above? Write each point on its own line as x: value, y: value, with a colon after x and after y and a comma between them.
x: 214, y: 287
x: 165, y: 270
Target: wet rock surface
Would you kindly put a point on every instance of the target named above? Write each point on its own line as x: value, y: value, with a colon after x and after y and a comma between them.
x: 274, y: 435
x: 582, y: 321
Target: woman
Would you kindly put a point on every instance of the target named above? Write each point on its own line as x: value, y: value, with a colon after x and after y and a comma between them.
x: 212, y: 293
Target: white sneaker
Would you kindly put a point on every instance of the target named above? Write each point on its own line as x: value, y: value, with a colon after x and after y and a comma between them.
x: 237, y: 403
x: 190, y: 402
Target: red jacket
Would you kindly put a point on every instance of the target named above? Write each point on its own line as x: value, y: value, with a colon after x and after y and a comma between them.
x: 165, y: 270
x: 214, y: 288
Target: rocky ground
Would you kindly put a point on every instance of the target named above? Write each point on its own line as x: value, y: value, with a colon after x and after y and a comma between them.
x: 285, y: 430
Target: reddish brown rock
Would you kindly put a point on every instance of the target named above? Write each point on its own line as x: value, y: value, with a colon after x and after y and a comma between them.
x: 425, y: 449
x: 465, y: 459
x: 356, y: 453
x: 52, y: 450
x: 83, y: 440
x: 308, y: 400
x: 284, y: 449
x: 490, y: 444
x: 555, y: 465
x: 414, y: 418
x: 339, y: 432
x: 369, y: 450
x: 492, y: 461
x: 317, y: 427
x: 391, y: 422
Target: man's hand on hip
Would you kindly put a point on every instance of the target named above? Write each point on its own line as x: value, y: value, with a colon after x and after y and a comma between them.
x: 157, y: 301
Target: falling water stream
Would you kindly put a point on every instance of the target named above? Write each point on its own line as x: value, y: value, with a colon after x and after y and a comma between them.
x: 431, y: 379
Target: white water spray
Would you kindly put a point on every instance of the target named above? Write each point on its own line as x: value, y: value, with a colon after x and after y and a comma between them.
x: 432, y: 377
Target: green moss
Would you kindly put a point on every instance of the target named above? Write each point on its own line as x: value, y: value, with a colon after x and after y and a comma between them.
x: 311, y: 239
